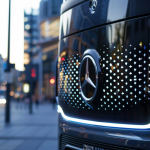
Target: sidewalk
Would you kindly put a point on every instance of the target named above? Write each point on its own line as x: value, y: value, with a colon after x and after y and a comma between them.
x: 29, y: 132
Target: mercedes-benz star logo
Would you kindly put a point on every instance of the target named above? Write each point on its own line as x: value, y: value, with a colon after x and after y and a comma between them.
x: 88, y: 78
x: 93, y: 5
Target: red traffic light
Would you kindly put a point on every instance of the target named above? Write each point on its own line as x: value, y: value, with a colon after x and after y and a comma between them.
x: 52, y: 81
x: 33, y: 74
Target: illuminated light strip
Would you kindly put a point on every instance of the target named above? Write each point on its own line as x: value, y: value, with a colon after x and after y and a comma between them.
x: 106, y: 124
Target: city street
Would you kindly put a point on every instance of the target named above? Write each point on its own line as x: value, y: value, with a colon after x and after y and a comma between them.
x: 29, y: 132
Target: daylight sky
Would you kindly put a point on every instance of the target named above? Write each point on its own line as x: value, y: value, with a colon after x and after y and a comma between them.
x: 17, y: 28
x: 28, y: 4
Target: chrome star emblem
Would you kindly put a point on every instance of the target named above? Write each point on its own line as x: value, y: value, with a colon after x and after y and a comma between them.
x: 87, y: 78
x: 93, y: 5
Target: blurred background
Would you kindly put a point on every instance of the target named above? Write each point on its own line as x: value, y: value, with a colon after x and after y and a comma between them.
x: 28, y: 51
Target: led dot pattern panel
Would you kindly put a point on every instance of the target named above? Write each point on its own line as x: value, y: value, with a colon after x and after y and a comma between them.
x: 124, y: 74
x: 69, y: 82
x: 123, y: 89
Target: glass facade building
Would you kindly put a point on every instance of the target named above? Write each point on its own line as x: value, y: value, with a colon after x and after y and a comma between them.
x: 49, y: 19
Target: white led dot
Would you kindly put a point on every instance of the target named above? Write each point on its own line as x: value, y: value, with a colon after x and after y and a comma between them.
x: 139, y: 66
x: 139, y: 59
x: 130, y: 59
x: 130, y: 66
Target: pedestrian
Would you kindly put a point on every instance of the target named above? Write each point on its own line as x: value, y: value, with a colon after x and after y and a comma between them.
x: 26, y: 100
x: 37, y: 103
x: 18, y: 101
x: 53, y: 102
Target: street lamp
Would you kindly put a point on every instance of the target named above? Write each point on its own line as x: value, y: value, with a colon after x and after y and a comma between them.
x: 7, y: 115
x: 15, y: 46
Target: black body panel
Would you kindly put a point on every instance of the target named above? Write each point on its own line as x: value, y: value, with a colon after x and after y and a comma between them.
x: 80, y: 18
x: 70, y: 4
x: 124, y: 93
x: 117, y: 37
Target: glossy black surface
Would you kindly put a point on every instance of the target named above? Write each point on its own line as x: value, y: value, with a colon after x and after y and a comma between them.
x: 124, y: 50
x: 80, y: 18
x: 68, y: 4
x: 119, y: 31
x: 129, y: 138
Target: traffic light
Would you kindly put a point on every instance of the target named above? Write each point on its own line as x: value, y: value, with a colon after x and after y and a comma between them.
x: 33, y: 73
x: 52, y: 81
